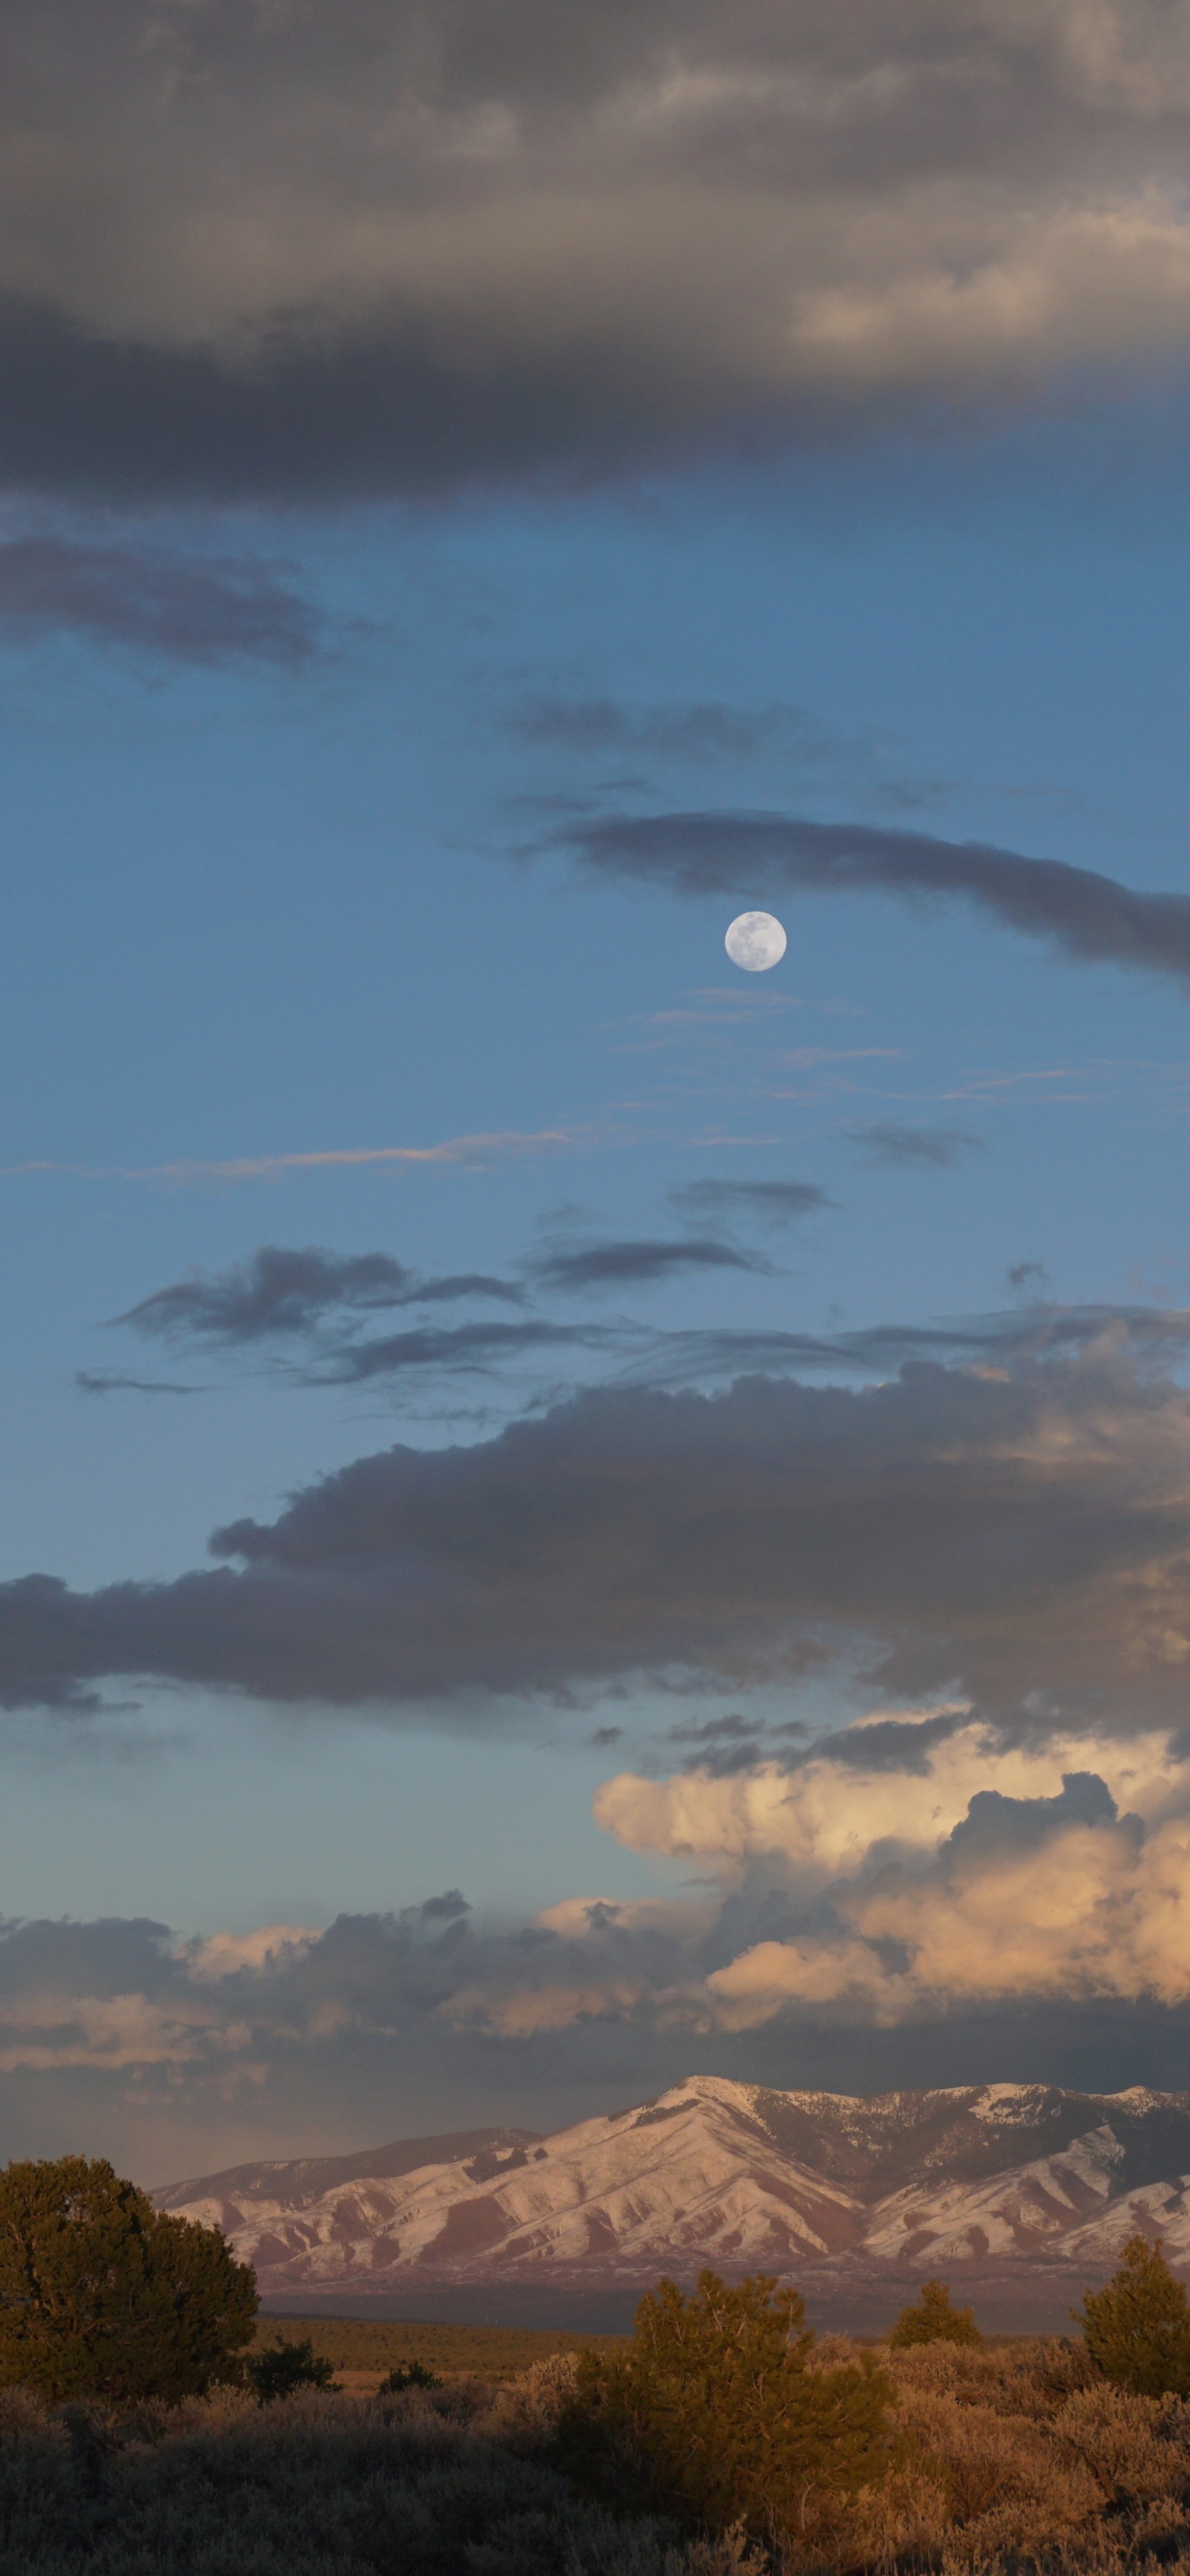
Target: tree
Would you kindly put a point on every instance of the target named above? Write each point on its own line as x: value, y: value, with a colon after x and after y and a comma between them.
x: 716, y: 2408
x: 101, y: 2295
x: 1137, y: 2329
x: 282, y: 2367
x: 408, y: 2374
x: 935, y: 2319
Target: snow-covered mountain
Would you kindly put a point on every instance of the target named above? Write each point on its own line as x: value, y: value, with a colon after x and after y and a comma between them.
x: 994, y: 2183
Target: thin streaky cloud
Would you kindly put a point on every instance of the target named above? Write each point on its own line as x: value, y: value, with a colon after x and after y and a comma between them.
x: 468, y: 1153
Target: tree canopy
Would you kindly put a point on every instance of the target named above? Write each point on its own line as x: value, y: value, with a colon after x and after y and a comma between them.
x: 716, y: 2402
x: 101, y: 2295
x: 1137, y: 2328
x: 935, y: 2319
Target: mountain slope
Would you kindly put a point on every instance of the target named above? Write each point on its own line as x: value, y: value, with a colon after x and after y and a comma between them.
x: 820, y: 2185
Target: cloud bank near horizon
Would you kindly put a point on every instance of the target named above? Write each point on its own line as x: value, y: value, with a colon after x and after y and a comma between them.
x: 539, y: 243
x: 858, y: 1924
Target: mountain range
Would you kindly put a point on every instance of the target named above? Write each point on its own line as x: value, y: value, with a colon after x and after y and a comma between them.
x: 1020, y: 2194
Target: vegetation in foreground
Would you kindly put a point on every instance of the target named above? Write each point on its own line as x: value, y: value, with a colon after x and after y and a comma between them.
x: 373, y: 2346
x: 722, y: 2439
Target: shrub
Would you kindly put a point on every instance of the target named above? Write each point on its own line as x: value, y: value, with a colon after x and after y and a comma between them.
x: 1137, y: 2329
x: 284, y: 2367
x: 101, y: 2295
x: 714, y: 2407
x: 408, y: 2374
x: 935, y: 2319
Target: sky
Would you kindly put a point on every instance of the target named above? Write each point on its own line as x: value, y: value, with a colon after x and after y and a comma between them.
x: 575, y: 1515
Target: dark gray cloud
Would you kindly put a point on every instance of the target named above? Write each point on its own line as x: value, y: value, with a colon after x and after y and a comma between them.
x: 770, y: 856
x: 768, y: 1203
x: 1019, y: 1533
x: 994, y: 1823
x: 154, y: 599
x: 932, y: 1147
x: 638, y: 1262
x: 891, y: 1744
x: 283, y: 1293
x: 342, y: 250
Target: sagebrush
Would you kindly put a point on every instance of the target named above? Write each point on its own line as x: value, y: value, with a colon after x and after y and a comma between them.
x: 1020, y: 2458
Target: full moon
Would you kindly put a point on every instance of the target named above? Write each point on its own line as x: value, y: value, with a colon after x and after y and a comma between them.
x: 755, y: 941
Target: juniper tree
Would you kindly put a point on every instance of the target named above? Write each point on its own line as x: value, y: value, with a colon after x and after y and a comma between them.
x: 1137, y: 2328
x: 714, y: 2411
x: 101, y: 2295
x: 935, y: 2319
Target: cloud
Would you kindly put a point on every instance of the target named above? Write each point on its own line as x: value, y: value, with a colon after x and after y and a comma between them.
x: 638, y: 1262
x: 282, y: 1293
x: 903, y: 1787
x: 459, y: 1346
x: 936, y: 1147
x: 154, y: 599
x: 894, y: 1926
x: 330, y: 252
x: 1073, y: 1900
x: 466, y: 1153
x: 1015, y: 1530
x: 682, y: 729
x: 110, y: 1382
x: 1087, y: 916
x: 769, y: 1203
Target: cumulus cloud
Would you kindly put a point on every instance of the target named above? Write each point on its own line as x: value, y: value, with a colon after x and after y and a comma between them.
x: 1087, y: 916
x: 1016, y: 1526
x: 329, y: 251
x: 154, y: 599
x: 974, y: 1910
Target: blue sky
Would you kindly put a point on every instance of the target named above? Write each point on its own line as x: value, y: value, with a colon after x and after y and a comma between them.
x: 302, y: 953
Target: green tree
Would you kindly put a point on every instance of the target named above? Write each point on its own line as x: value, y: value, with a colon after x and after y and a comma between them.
x: 935, y: 2319
x: 282, y: 2367
x: 1137, y: 2329
x: 715, y: 2406
x: 101, y: 2295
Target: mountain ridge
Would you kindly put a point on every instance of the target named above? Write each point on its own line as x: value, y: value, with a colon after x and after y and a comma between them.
x: 1001, y: 2182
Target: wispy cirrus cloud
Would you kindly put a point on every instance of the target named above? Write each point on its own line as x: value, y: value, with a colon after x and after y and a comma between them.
x: 767, y: 1203
x: 475, y: 1153
x: 282, y: 1293
x: 915, y: 1148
